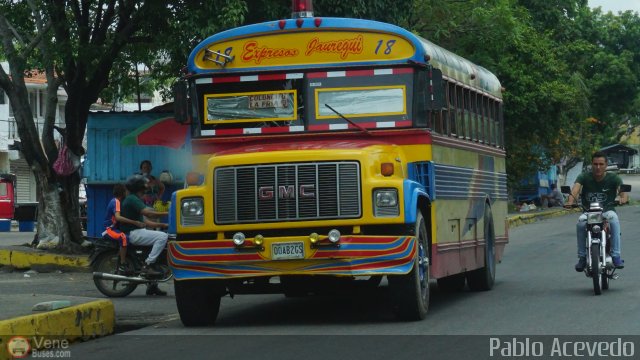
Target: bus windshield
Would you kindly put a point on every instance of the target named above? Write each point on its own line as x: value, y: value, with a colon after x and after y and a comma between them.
x: 300, y: 101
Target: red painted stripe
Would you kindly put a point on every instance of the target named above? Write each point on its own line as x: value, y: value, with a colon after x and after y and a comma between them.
x: 359, y: 73
x: 318, y: 75
x: 404, y: 123
x: 375, y: 265
x: 227, y: 79
x: 359, y: 253
x: 319, y: 127
x: 302, y: 141
x: 272, y: 77
x: 229, y: 132
x: 275, y: 130
x: 398, y: 71
x: 217, y: 258
x: 214, y: 270
x: 202, y: 244
x: 369, y: 240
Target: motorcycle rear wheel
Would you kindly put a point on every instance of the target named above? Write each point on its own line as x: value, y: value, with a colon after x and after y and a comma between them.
x: 595, y: 269
x: 107, y: 263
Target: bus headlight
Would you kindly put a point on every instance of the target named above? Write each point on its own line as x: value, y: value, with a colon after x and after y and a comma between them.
x: 192, y: 211
x: 238, y: 238
x: 385, y: 203
x: 334, y: 235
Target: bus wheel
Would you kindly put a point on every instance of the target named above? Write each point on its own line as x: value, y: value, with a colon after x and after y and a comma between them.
x: 198, y: 301
x: 411, y: 291
x: 482, y: 279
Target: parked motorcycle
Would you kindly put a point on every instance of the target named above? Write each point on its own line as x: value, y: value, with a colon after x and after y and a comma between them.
x: 105, y: 262
x: 599, y: 262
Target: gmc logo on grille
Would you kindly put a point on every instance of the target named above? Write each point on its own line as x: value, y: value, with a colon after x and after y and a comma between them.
x: 287, y: 192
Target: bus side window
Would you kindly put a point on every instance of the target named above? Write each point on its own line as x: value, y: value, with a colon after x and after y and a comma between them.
x: 452, y: 129
x: 421, y: 100
x: 460, y: 125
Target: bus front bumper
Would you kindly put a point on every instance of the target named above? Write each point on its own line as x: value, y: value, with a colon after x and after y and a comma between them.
x: 353, y: 255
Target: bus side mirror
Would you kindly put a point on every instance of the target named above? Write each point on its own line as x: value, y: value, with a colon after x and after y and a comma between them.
x: 435, y: 89
x: 181, y: 102
x: 565, y: 189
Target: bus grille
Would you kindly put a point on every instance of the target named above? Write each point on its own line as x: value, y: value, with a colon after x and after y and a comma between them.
x: 287, y: 192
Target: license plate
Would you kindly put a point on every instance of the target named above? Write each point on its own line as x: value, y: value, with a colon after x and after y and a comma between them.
x: 286, y: 251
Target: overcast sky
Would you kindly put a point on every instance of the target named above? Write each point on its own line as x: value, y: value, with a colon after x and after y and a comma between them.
x: 616, y: 5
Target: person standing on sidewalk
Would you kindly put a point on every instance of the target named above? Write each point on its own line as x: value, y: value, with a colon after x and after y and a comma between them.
x: 134, y: 208
x: 598, y: 186
x: 155, y: 187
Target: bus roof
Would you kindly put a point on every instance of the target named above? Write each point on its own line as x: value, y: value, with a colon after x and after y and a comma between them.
x: 313, y: 43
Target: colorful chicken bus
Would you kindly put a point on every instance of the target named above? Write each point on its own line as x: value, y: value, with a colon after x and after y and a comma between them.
x: 333, y: 151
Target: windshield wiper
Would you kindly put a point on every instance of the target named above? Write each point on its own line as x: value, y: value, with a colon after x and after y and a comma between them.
x: 347, y: 120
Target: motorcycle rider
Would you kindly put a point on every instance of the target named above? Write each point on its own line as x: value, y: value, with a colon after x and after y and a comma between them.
x: 603, y: 187
x: 133, y: 208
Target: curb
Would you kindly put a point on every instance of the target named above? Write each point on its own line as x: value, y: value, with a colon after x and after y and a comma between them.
x: 28, y: 258
x: 527, y: 218
x: 84, y: 321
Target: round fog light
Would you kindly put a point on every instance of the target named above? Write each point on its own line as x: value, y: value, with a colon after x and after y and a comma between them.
x: 334, y: 236
x: 314, y: 237
x: 258, y: 240
x: 238, y: 238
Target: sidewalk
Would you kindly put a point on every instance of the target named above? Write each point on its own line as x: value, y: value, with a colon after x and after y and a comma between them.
x: 521, y: 218
x: 60, y: 317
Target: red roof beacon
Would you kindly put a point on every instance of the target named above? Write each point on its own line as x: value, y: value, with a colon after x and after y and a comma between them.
x: 301, y: 8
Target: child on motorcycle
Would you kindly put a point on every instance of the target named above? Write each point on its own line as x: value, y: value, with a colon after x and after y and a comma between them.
x: 598, y: 186
x: 112, y: 220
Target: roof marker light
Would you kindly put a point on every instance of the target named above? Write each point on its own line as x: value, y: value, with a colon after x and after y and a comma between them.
x: 299, y: 22
x: 317, y: 21
x: 281, y: 24
x: 301, y: 8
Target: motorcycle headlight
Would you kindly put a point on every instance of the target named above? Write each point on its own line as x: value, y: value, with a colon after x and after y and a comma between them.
x: 192, y: 211
x: 594, y: 218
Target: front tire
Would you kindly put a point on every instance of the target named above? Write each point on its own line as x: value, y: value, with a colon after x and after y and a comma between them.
x: 198, y: 301
x: 605, y: 280
x: 483, y: 279
x: 107, y: 262
x: 411, y: 291
x: 595, y: 269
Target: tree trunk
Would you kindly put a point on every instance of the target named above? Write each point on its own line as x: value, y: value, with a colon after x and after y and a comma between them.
x: 57, y: 219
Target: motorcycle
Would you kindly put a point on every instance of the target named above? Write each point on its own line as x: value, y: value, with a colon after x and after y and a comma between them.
x: 105, y: 263
x: 600, y: 266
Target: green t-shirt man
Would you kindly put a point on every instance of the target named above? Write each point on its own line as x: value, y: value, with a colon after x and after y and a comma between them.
x: 604, y: 191
x: 131, y: 208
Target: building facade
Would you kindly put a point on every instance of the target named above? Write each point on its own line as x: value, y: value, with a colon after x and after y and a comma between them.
x: 12, y: 161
